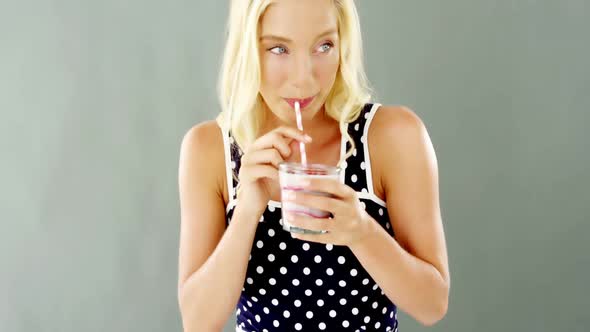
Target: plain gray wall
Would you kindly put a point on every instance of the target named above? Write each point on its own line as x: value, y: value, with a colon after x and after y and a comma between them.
x: 96, y: 96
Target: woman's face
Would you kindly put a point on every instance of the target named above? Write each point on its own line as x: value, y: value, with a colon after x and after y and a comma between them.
x: 299, y: 56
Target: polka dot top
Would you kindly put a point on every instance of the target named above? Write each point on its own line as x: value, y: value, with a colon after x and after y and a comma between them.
x: 295, y: 285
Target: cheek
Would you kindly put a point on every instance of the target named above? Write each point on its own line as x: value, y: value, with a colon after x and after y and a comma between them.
x: 325, y: 70
x: 273, y: 72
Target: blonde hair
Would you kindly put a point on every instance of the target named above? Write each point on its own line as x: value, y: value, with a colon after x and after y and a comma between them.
x: 239, y: 82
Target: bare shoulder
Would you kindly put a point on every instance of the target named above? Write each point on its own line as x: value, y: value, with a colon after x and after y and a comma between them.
x: 396, y: 120
x: 206, y: 132
x: 204, y: 142
x: 397, y: 135
x: 397, y: 127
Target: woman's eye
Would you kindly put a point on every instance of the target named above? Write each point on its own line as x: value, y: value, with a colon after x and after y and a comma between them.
x: 325, y: 47
x: 278, y: 50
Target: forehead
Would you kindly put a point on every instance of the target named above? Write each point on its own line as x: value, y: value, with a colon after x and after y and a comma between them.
x: 293, y: 18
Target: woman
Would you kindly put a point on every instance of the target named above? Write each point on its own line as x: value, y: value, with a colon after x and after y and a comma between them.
x: 385, y: 245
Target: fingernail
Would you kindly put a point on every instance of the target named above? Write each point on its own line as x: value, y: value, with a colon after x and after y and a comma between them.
x: 308, y: 138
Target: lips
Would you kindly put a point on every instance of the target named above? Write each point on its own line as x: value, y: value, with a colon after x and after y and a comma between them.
x: 302, y: 102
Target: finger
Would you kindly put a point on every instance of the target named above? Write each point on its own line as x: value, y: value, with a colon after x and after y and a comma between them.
x: 280, y: 138
x: 293, y: 133
x: 306, y: 222
x: 278, y: 144
x: 254, y: 172
x: 268, y: 156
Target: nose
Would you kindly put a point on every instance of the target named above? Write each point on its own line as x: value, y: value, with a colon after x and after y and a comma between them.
x: 302, y: 74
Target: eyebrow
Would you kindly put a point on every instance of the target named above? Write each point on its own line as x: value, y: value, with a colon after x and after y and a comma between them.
x: 287, y: 40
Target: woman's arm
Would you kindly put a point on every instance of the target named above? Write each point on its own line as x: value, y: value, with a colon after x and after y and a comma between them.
x: 212, y: 259
x: 412, y: 269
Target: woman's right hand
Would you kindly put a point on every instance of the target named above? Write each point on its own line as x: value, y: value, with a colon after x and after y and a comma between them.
x: 260, y: 164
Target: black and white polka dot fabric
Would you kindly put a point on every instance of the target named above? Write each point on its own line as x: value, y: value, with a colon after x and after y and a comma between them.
x: 295, y: 285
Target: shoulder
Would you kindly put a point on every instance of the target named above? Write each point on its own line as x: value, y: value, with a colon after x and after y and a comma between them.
x: 202, y: 152
x: 399, y: 141
x: 206, y: 133
x: 396, y: 122
x: 396, y: 127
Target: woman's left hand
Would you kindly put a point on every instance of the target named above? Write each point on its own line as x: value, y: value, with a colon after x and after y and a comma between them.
x: 350, y: 223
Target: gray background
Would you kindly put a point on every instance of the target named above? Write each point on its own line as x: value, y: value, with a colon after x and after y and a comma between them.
x: 96, y: 95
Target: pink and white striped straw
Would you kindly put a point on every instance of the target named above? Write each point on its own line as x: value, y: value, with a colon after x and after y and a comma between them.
x: 300, y: 127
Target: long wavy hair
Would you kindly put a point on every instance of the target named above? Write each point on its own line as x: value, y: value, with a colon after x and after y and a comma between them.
x: 242, y: 111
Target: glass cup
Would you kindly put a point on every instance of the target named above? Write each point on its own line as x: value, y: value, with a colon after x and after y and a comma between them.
x: 290, y: 176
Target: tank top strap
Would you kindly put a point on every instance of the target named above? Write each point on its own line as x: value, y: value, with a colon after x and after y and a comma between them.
x: 357, y: 167
x: 233, y: 156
